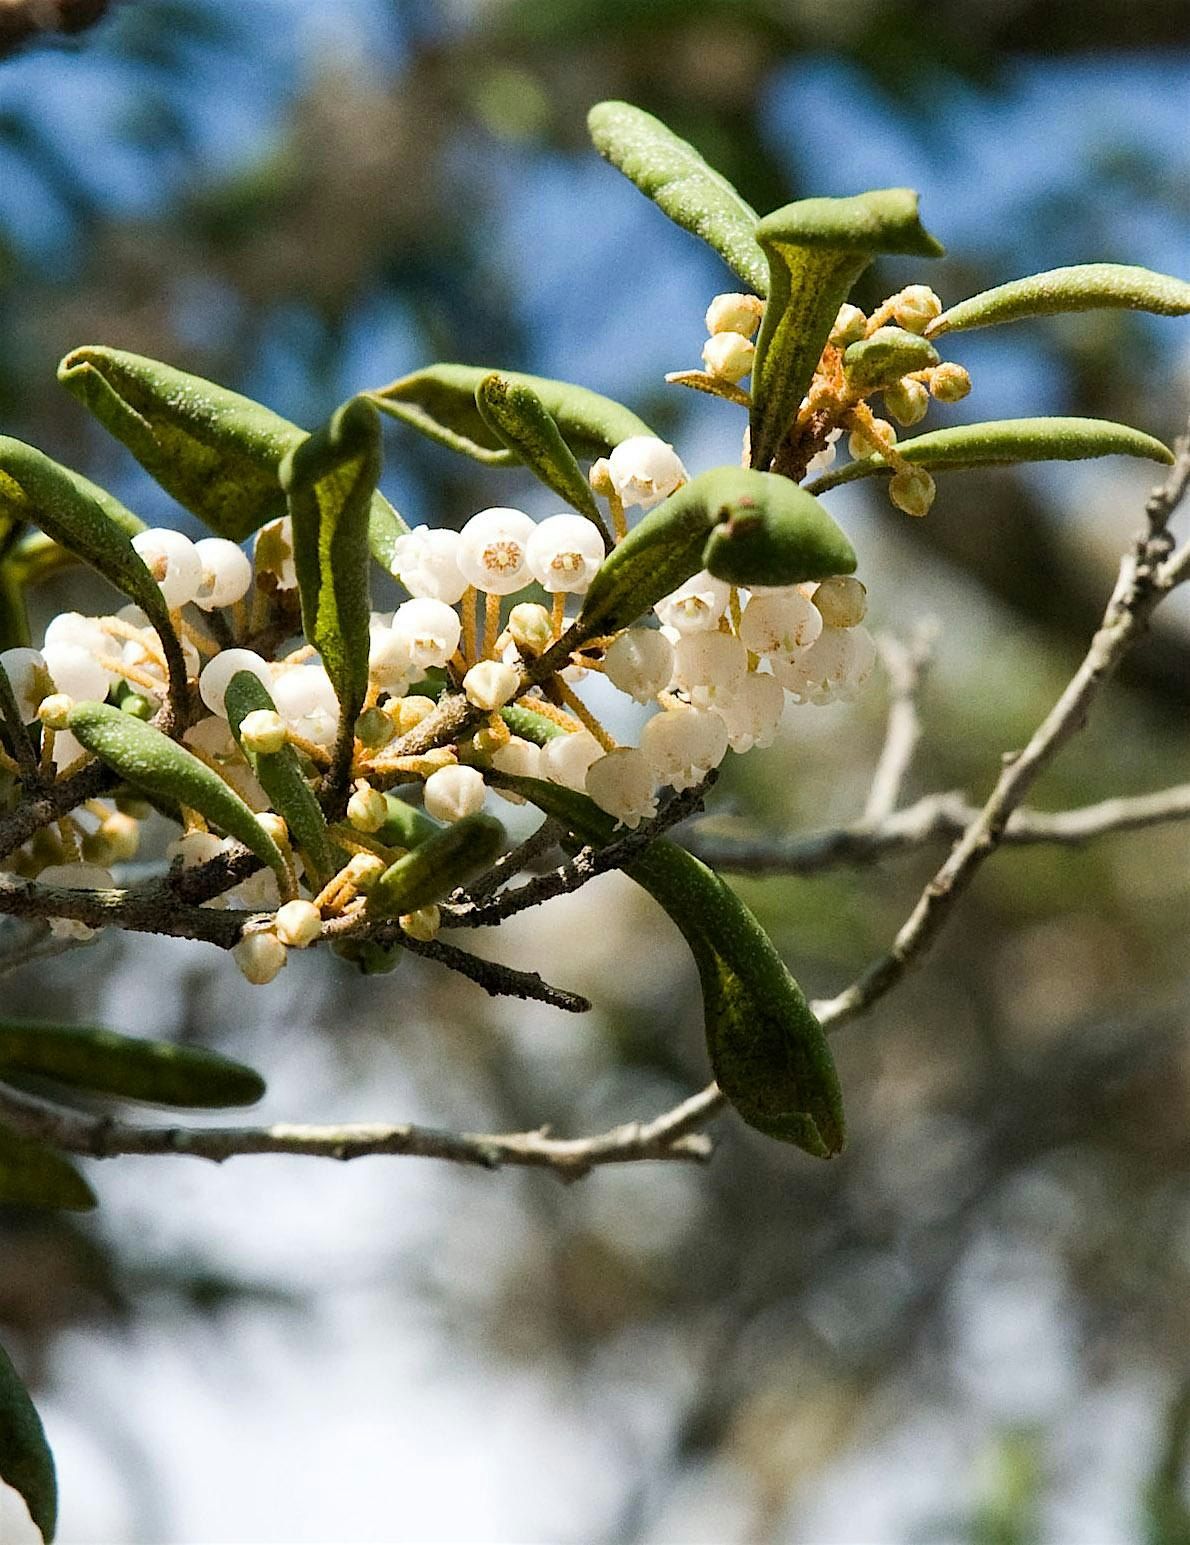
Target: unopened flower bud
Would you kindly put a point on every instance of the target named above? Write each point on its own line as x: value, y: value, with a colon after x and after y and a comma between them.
x: 367, y: 809
x: 842, y: 600
x: 262, y: 731
x: 916, y: 307
x: 912, y: 490
x: 735, y: 314
x: 298, y: 923
x: 566, y: 759
x: 276, y: 827
x: 260, y: 956
x: 120, y: 835
x: 422, y: 924
x: 54, y: 711
x: 849, y: 327
x: 530, y: 628
x: 645, y: 470
x: 454, y: 792
x: 374, y: 728
x: 949, y: 382
x: 600, y: 477
x: 363, y: 870
x: 490, y: 684
x: 907, y: 400
x: 407, y: 713
x: 491, y: 738
x: 625, y: 785
x: 871, y: 440
x: 728, y: 356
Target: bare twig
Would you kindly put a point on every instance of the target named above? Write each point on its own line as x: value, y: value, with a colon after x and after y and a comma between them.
x: 904, y: 665
x: 497, y: 980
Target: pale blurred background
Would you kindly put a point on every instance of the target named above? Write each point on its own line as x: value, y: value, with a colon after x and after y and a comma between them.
x: 973, y: 1328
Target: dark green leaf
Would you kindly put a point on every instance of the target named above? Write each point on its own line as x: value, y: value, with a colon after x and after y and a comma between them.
x: 816, y: 250
x: 405, y: 825
x: 673, y: 174
x: 33, y: 1175
x: 780, y: 536
x: 448, y: 858
x: 132, y: 1068
x: 1084, y: 287
x: 26, y: 1463
x: 520, y: 418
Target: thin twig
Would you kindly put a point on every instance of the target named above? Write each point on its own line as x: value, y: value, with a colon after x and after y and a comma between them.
x: 497, y: 980
x: 904, y: 665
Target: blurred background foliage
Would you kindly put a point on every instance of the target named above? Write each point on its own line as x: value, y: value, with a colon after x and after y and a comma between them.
x: 973, y: 1327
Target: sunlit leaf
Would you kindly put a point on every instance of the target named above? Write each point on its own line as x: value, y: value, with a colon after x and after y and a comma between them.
x: 26, y: 1463
x: 1083, y: 287
x: 448, y: 858
x: 673, y: 174
x: 34, y: 1175
x: 523, y: 423
x: 816, y: 250
x: 885, y: 356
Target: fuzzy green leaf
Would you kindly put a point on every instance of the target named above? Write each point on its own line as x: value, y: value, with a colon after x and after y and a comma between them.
x: 885, y: 356
x: 329, y: 480
x: 519, y: 417
x: 26, y: 1463
x: 816, y: 250
x: 34, y: 1175
x: 405, y: 825
x: 448, y: 858
x: 768, y: 1051
x: 1083, y: 287
x: 744, y: 522
x: 439, y: 401
x: 215, y: 451
x: 127, y: 1066
x: 1003, y: 441
x: 673, y: 174
x: 149, y: 760
x: 530, y: 725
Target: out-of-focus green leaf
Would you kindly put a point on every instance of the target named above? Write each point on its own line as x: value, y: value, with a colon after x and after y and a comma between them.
x: 34, y: 1175
x: 405, y: 825
x: 149, y: 760
x: 26, y: 1463
x: 439, y: 401
x: 437, y: 865
x: 744, y: 522
x: 522, y: 421
x: 1083, y: 287
x: 1006, y: 440
x: 885, y: 356
x: 215, y: 451
x: 14, y: 613
x: 329, y: 480
x: 816, y: 250
x: 673, y: 174
x: 768, y: 1051
x: 127, y: 1066
x: 280, y: 776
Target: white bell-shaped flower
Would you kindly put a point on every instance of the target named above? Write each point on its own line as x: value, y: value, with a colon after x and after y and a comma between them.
x: 390, y: 659
x: 696, y: 605
x: 645, y: 470
x: 835, y: 668
x: 306, y: 700
x: 565, y: 552
x: 429, y: 629
x: 217, y: 672
x: 74, y: 877
x: 710, y: 667
x: 76, y: 671
x: 566, y: 759
x: 518, y: 758
x: 454, y: 792
x: 73, y: 628
x: 489, y: 684
x: 682, y: 745
x: 427, y: 564
x: 30, y: 679
x: 494, y: 550
x: 641, y: 663
x: 625, y: 785
x: 779, y: 624
x: 212, y: 738
x: 754, y: 712
x: 173, y: 561
x: 226, y: 573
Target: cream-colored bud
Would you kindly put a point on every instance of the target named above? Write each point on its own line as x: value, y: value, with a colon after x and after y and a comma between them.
x: 728, y: 356
x: 490, y: 684
x: 735, y: 314
x: 276, y: 828
x: 407, y: 713
x: 530, y: 627
x: 262, y: 731
x: 367, y: 809
x: 907, y: 400
x: 849, y: 327
x: 491, y: 738
x: 912, y: 490
x: 916, y: 307
x: 871, y: 441
x: 298, y: 923
x: 54, y: 711
x: 600, y: 477
x: 422, y: 924
x: 363, y: 870
x: 121, y: 835
x: 842, y: 600
x: 260, y: 956
x: 949, y: 382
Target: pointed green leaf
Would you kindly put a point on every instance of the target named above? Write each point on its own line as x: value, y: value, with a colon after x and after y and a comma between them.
x: 127, y: 1066
x: 744, y: 522
x: 437, y: 865
x: 215, y: 451
x: 405, y: 825
x: 439, y: 401
x: 34, y: 1175
x: 816, y: 250
x: 885, y: 356
x: 768, y: 1051
x: 1083, y: 287
x: 26, y: 1463
x: 524, y: 424
x: 280, y: 776
x: 329, y: 480
x: 530, y: 725
x: 149, y: 760
x: 1006, y: 440
x: 673, y: 174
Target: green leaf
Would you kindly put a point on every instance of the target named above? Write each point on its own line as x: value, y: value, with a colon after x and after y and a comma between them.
x: 1006, y: 440
x: 329, y: 480
x: 280, y: 776
x: 405, y: 825
x: 816, y: 250
x: 439, y: 401
x: 26, y: 1463
x: 149, y: 760
x: 1084, y: 287
x: 743, y: 521
x: 524, y: 424
x: 448, y: 858
x: 34, y: 1175
x: 885, y: 356
x: 673, y: 174
x: 530, y: 725
x: 768, y: 1051
x: 127, y: 1066
x: 215, y: 451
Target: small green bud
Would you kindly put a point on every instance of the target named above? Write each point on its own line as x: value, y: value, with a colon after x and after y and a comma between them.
x: 530, y: 627
x: 422, y: 924
x: 908, y: 401
x: 916, y: 307
x: 912, y: 489
x: 367, y: 809
x: 262, y: 731
x: 950, y: 382
x: 374, y: 728
x: 842, y: 600
x: 137, y: 707
x: 54, y: 711
x: 850, y: 325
